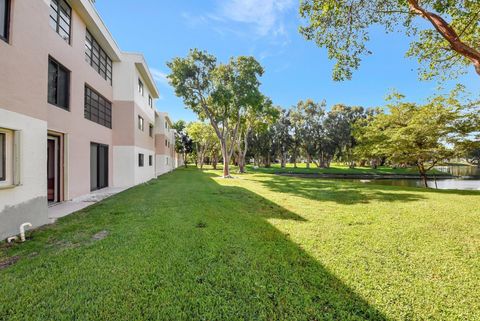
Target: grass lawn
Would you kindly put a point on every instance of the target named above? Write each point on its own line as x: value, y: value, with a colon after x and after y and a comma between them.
x: 341, y: 169
x: 192, y: 246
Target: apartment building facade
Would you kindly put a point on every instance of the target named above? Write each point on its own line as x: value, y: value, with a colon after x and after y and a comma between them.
x: 76, y: 113
x: 166, y: 157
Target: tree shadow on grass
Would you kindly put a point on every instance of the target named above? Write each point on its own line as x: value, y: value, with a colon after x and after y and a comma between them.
x: 342, y: 192
x: 181, y: 247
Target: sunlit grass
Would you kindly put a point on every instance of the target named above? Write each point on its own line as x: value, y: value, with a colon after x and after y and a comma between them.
x: 194, y: 246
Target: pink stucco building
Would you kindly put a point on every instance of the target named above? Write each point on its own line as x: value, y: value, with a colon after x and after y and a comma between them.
x: 76, y: 113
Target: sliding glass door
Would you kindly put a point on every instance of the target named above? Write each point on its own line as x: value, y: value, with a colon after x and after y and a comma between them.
x: 98, y: 166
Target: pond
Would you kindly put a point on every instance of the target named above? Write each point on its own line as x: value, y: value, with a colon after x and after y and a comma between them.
x: 468, y: 178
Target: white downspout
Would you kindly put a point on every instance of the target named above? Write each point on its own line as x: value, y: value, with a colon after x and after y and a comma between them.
x: 22, y: 230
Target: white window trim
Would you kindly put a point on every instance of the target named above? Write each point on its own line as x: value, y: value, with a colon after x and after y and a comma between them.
x: 12, y: 158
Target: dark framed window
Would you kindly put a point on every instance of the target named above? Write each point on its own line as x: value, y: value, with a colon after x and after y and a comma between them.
x: 97, y: 108
x: 150, y: 130
x: 140, y: 160
x: 150, y: 101
x: 141, y: 123
x: 150, y: 160
x: 166, y: 143
x: 98, y: 166
x: 96, y: 57
x: 58, y: 84
x: 4, y: 19
x: 61, y: 18
x: 140, y: 87
x: 3, y: 157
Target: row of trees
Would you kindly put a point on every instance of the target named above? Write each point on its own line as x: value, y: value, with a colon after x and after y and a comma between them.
x: 309, y: 132
x: 226, y: 95
x: 237, y: 122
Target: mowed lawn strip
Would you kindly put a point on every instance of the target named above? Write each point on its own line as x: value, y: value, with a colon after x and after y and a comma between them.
x: 191, y: 245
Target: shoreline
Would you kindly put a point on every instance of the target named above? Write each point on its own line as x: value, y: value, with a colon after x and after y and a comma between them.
x: 365, y: 176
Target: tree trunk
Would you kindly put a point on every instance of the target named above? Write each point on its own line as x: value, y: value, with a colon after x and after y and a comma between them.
x: 423, y: 174
x: 322, y: 160
x: 309, y: 160
x: 201, y: 158
x: 283, y: 162
x: 295, y: 158
x: 448, y: 33
x: 226, y: 160
x: 214, y: 161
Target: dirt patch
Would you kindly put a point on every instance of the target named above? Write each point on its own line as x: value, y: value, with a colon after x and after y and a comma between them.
x: 201, y: 225
x: 9, y: 262
x: 100, y: 235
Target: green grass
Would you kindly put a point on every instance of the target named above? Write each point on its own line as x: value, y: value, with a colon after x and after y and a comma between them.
x: 192, y: 246
x: 340, y: 169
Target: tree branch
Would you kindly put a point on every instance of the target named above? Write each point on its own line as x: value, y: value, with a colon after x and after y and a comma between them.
x: 448, y: 33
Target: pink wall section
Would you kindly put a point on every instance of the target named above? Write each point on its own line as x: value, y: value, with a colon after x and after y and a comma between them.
x: 142, y: 138
x: 23, y: 85
x: 123, y: 124
x: 160, y: 147
x: 125, y: 129
x: 23, y: 63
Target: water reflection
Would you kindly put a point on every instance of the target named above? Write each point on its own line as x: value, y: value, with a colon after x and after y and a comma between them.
x: 460, y: 184
x: 468, y: 179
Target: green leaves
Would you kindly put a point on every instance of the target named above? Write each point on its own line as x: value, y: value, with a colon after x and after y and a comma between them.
x: 343, y: 29
x: 414, y: 134
x: 225, y: 94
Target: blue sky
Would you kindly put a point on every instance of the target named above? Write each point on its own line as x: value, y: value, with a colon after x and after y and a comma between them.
x: 267, y: 29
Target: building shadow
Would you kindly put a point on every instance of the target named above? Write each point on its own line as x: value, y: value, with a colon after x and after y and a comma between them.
x: 180, y: 247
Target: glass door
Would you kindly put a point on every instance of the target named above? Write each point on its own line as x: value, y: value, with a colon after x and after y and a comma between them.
x: 98, y: 166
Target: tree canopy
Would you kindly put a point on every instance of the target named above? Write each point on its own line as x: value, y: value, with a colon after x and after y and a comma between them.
x: 409, y: 133
x: 221, y: 93
x: 445, y: 38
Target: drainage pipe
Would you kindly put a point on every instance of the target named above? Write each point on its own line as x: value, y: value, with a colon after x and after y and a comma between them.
x: 22, y: 230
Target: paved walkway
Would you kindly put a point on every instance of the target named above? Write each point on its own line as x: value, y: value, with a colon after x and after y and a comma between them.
x: 58, y: 210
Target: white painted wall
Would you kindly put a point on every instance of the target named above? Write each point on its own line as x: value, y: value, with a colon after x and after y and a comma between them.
x: 126, y: 171
x: 142, y: 101
x: 161, y: 166
x: 125, y: 88
x: 123, y: 162
x: 147, y: 172
x: 32, y: 165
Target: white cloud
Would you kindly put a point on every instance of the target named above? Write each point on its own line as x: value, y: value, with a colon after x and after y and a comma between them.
x: 159, y: 76
x: 265, y: 15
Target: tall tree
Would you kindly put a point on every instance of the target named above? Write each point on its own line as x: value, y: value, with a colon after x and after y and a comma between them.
x: 447, y: 47
x: 204, y: 138
x: 310, y: 128
x: 422, y: 135
x: 183, y: 143
x: 297, y: 123
x: 339, y: 125
x: 261, y: 142
x: 282, y: 138
x: 219, y: 93
x: 254, y: 118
